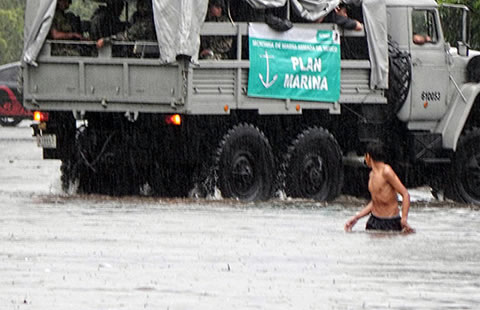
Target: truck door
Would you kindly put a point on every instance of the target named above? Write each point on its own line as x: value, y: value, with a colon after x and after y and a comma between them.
x: 430, y: 73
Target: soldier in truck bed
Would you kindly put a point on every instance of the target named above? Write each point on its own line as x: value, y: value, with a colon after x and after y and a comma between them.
x: 340, y: 17
x: 63, y: 28
x: 106, y: 20
x: 143, y: 28
x: 216, y: 47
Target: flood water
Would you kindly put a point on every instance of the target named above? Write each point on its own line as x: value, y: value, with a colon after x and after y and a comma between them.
x: 61, y: 251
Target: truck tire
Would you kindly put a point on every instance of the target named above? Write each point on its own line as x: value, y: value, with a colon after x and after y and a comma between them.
x: 399, y: 76
x: 69, y: 177
x: 245, y: 164
x: 358, y: 187
x: 473, y: 69
x: 79, y: 179
x: 172, y: 180
x: 313, y: 166
x: 94, y: 165
x: 466, y: 168
x: 6, y: 121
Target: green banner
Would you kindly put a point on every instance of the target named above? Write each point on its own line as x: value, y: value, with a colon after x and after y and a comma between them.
x: 301, y: 63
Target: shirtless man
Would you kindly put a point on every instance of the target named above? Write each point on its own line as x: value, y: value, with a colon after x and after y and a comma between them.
x: 383, y: 185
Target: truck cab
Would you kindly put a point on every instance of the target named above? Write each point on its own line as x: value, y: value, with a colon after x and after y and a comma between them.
x: 441, y: 111
x: 417, y: 27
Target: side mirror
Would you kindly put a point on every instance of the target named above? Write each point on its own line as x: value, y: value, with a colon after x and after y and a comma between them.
x: 462, y: 49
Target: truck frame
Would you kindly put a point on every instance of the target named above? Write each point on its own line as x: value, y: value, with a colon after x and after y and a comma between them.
x: 137, y: 125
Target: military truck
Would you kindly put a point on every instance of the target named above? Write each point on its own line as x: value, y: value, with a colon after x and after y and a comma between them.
x: 289, y: 112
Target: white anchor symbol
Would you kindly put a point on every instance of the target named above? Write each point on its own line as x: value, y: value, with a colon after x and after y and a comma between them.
x: 267, y: 83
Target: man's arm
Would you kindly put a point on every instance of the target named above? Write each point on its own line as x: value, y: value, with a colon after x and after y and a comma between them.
x: 59, y: 35
x: 395, y: 182
x: 353, y: 220
x: 359, y: 26
x: 346, y: 22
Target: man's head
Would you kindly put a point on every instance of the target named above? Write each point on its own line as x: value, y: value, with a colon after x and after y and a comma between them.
x: 219, y: 3
x: 342, y: 10
x: 63, y: 4
x: 144, y: 7
x: 375, y: 151
x: 216, y: 7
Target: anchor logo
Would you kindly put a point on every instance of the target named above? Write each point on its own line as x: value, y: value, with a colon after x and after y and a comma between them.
x: 266, y: 82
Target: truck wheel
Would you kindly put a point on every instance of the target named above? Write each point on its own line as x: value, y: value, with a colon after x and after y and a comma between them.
x: 473, y: 69
x: 245, y: 164
x: 466, y: 168
x: 69, y: 176
x: 359, y: 186
x: 77, y: 178
x: 171, y: 180
x: 399, y: 76
x: 313, y: 166
x: 94, y: 164
x: 9, y: 121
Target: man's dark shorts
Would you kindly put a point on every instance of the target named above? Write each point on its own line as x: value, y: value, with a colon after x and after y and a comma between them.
x: 379, y: 223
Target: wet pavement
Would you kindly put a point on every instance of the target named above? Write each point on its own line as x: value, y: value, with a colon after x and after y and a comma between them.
x: 61, y: 251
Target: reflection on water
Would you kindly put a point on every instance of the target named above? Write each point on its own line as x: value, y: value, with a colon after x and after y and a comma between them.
x: 98, y: 252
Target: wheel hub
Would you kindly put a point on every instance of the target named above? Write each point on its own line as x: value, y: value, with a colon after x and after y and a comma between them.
x: 314, y: 175
x: 243, y: 174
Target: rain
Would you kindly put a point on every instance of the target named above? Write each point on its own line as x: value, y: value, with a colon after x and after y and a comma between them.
x: 71, y: 251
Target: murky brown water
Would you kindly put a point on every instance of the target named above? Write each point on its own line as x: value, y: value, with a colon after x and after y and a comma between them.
x: 96, y: 252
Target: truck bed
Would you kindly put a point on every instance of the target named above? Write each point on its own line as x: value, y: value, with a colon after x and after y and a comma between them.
x: 103, y: 83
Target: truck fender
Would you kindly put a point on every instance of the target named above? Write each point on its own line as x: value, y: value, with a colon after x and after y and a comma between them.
x: 451, y: 126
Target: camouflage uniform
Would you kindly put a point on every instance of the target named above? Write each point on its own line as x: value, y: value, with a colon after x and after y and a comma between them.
x: 142, y: 30
x: 105, y: 23
x: 61, y: 22
x: 219, y: 45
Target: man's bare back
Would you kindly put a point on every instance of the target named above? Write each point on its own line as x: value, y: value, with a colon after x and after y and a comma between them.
x: 384, y: 195
x: 383, y: 185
